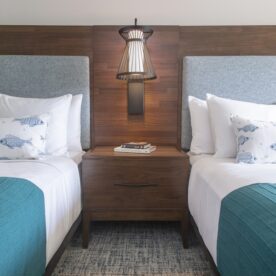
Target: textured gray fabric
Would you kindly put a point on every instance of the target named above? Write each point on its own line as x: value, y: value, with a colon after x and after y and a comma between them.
x: 247, y: 78
x: 134, y: 248
x: 48, y: 76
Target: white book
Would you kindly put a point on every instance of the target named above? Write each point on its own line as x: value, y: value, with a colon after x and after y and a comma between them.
x: 147, y: 150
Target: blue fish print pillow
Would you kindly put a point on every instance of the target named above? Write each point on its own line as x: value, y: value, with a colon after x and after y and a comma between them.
x: 23, y: 138
x: 256, y: 140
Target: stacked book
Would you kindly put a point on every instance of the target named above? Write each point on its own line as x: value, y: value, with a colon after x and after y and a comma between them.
x: 136, y: 147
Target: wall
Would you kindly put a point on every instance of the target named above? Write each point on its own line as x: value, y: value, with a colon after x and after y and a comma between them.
x: 161, y: 123
x: 150, y: 12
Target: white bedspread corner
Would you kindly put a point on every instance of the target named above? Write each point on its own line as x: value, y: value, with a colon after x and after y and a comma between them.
x: 210, y: 181
x: 58, y: 178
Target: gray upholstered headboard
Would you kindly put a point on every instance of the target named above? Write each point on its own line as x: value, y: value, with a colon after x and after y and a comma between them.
x: 248, y: 78
x: 48, y: 76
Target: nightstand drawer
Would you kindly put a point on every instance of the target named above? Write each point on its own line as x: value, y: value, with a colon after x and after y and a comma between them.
x: 134, y: 183
x: 120, y: 186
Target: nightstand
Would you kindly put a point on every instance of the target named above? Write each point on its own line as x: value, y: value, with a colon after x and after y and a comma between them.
x: 127, y: 186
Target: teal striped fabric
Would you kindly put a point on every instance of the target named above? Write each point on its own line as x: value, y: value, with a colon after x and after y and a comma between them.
x: 22, y: 228
x: 246, y: 242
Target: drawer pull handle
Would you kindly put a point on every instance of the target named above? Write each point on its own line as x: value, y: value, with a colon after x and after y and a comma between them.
x: 132, y: 185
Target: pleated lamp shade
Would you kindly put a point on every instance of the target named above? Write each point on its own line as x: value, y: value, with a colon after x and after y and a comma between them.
x: 136, y: 63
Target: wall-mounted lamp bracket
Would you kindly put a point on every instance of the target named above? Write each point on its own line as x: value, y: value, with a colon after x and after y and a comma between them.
x: 135, y: 97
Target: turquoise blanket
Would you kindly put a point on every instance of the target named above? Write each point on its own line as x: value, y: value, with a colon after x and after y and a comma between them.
x: 246, y: 242
x: 22, y: 228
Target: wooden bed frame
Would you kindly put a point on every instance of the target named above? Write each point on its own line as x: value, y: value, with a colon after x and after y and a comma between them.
x: 206, y: 251
x: 53, y: 262
x: 55, y: 259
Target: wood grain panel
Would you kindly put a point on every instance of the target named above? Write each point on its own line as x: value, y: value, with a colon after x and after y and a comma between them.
x: 223, y: 41
x: 230, y: 40
x: 48, y: 40
x: 113, y: 126
x: 161, y: 122
x: 45, y: 40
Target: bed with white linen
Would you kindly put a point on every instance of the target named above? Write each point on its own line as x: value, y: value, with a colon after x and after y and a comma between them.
x: 29, y: 84
x: 210, y: 181
x: 228, y: 157
x: 58, y: 178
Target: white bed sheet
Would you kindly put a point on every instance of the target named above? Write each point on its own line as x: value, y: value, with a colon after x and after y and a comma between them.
x: 195, y: 157
x: 58, y: 178
x: 76, y: 156
x: 210, y: 181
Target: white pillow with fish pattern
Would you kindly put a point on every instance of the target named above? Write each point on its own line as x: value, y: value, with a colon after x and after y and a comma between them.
x: 24, y: 137
x: 220, y: 110
x: 57, y: 107
x: 256, y: 140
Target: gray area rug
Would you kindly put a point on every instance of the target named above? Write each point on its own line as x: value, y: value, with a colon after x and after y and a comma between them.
x: 134, y: 248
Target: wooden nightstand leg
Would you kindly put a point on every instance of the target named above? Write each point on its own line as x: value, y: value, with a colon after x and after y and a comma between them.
x: 185, y: 230
x: 85, y: 229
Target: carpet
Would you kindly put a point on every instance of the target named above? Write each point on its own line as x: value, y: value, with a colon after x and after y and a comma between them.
x: 134, y: 248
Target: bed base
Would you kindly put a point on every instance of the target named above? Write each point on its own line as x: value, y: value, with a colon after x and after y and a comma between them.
x: 53, y: 262
x: 206, y: 251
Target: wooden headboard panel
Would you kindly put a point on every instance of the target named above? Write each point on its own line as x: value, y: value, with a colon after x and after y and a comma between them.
x: 112, y: 123
x: 161, y: 123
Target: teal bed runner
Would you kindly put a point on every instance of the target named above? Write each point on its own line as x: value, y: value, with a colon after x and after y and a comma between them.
x: 246, y: 242
x: 22, y: 228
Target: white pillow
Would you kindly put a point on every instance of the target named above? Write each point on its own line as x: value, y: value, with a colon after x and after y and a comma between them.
x: 256, y: 140
x: 24, y: 137
x: 202, y: 141
x: 58, y: 108
x: 221, y: 109
x: 74, y: 125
